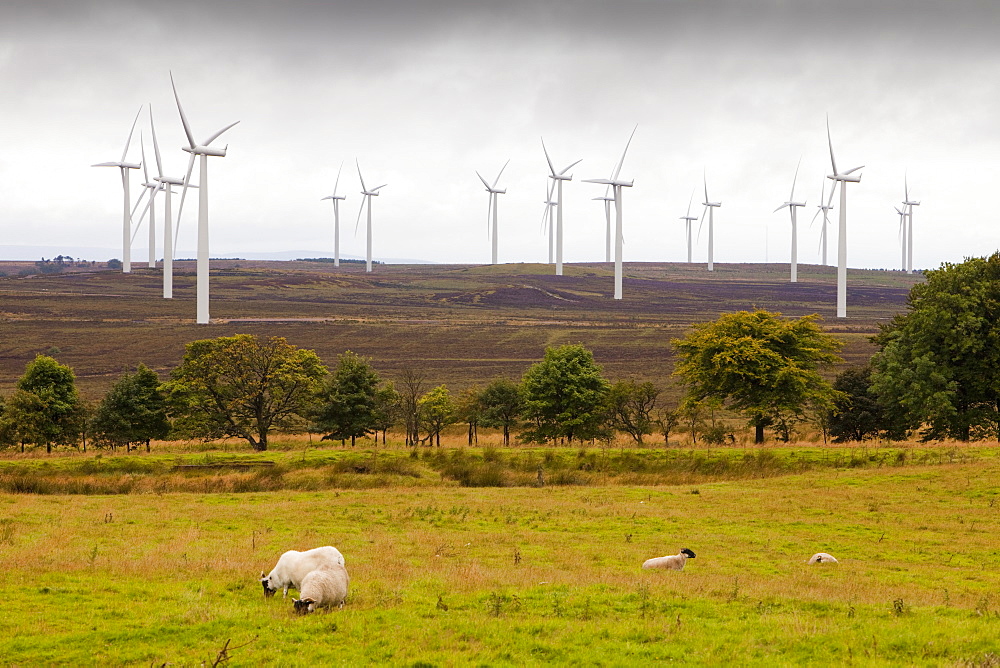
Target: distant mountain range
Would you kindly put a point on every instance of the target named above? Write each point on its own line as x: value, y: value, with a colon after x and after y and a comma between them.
x: 30, y: 253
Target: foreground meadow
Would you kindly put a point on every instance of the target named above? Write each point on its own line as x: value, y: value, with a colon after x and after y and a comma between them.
x: 451, y: 575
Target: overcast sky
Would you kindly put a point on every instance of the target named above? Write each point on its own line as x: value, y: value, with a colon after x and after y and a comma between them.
x: 424, y: 93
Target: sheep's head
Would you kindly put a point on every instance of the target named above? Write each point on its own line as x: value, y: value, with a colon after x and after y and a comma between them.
x: 265, y: 581
x: 304, y: 605
x: 688, y: 553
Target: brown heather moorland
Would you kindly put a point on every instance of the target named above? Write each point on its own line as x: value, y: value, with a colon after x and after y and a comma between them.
x: 457, y: 324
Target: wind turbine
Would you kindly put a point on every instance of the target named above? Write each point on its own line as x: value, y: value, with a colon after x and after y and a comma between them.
x: 688, y: 218
x: 150, y: 188
x: 165, y: 183
x: 367, y: 199
x: 493, y: 191
x: 844, y: 178
x: 792, y: 205
x: 336, y: 217
x: 710, y: 207
x: 547, y: 218
x: 617, y: 185
x: 607, y: 222
x: 907, y: 202
x: 902, y: 233
x: 203, y: 150
x: 559, y: 177
x: 824, y: 208
x: 126, y: 203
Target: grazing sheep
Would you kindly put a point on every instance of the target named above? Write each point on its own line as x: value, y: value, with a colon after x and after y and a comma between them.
x: 674, y: 562
x: 325, y: 587
x: 822, y: 558
x: 293, y: 566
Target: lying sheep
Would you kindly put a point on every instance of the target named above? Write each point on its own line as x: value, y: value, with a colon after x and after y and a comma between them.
x: 822, y: 558
x: 325, y: 587
x: 293, y: 566
x: 674, y: 562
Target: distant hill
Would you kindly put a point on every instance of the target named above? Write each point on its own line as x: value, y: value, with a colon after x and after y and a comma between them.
x: 101, y: 254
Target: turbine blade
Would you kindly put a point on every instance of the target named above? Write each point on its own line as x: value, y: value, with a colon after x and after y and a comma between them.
x: 184, y: 120
x: 142, y: 147
x: 780, y: 208
x: 129, y: 140
x: 489, y: 210
x: 501, y: 172
x: 547, y: 158
x: 571, y: 166
x: 138, y: 201
x: 833, y: 189
x: 815, y: 216
x: 363, y: 200
x: 483, y: 180
x: 691, y: 199
x: 851, y: 171
x: 622, y: 161
x: 360, y: 177
x: 906, y: 186
x: 701, y: 222
x: 706, y: 186
x: 216, y: 135
x: 833, y: 161
x: 156, y: 146
x: 376, y: 189
x: 791, y: 198
x: 337, y: 182
x: 187, y: 181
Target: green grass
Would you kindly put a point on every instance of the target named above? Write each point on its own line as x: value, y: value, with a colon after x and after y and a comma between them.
x: 497, y: 576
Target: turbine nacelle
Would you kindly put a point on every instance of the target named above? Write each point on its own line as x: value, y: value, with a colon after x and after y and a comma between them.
x: 789, y: 204
x: 206, y: 150
x: 611, y: 182
x: 123, y: 165
x: 333, y: 197
x: 716, y: 204
x: 688, y: 218
x: 845, y: 177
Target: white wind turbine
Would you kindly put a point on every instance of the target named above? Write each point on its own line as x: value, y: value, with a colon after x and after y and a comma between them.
x: 710, y: 207
x: 547, y: 219
x: 617, y: 185
x: 367, y: 199
x: 607, y: 222
x: 907, y: 202
x: 688, y: 219
x: 902, y: 233
x: 792, y: 205
x: 493, y: 191
x: 824, y: 208
x: 336, y: 217
x: 126, y: 206
x: 843, y: 178
x: 204, y: 150
x: 150, y: 188
x: 559, y: 177
x: 166, y: 182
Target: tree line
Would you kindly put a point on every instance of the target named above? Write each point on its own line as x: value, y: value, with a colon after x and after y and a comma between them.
x: 936, y: 375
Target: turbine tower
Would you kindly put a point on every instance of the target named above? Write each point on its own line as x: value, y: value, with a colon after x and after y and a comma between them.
x: 547, y: 219
x: 710, y: 207
x: 165, y: 183
x: 607, y: 222
x: 688, y: 218
x: 907, y: 202
x: 126, y: 203
x: 843, y: 178
x: 559, y: 177
x: 493, y: 191
x: 792, y: 205
x: 336, y: 217
x: 617, y: 185
x: 367, y: 199
x: 203, y: 150
x: 902, y: 234
x: 824, y: 208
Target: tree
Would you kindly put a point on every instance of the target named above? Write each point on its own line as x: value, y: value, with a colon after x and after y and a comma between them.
x: 243, y: 386
x: 630, y: 408
x: 388, y: 404
x: 347, y: 403
x: 666, y: 421
x: 940, y: 361
x: 133, y: 411
x: 437, y: 411
x: 502, y: 402
x: 469, y: 409
x: 45, y: 409
x: 564, y: 396
x: 412, y: 383
x: 858, y: 413
x: 759, y: 364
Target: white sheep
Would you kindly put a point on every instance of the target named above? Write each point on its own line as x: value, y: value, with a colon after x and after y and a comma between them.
x: 325, y: 587
x: 293, y: 566
x: 674, y: 562
x: 822, y: 558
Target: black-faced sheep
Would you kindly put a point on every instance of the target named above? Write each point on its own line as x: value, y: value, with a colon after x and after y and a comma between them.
x: 325, y: 587
x: 674, y: 562
x: 293, y: 566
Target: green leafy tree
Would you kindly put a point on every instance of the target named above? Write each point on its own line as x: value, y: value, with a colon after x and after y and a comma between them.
x: 858, y: 413
x: 630, y: 408
x: 564, y: 396
x: 502, y: 403
x: 469, y: 409
x: 666, y: 421
x: 388, y: 407
x: 45, y: 409
x: 348, y: 401
x: 437, y: 411
x: 411, y: 387
x: 8, y: 433
x: 243, y: 386
x: 940, y: 361
x: 133, y: 411
x: 759, y: 364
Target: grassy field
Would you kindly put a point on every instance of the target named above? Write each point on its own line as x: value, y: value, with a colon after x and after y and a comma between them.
x: 459, y: 325
x: 449, y: 575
